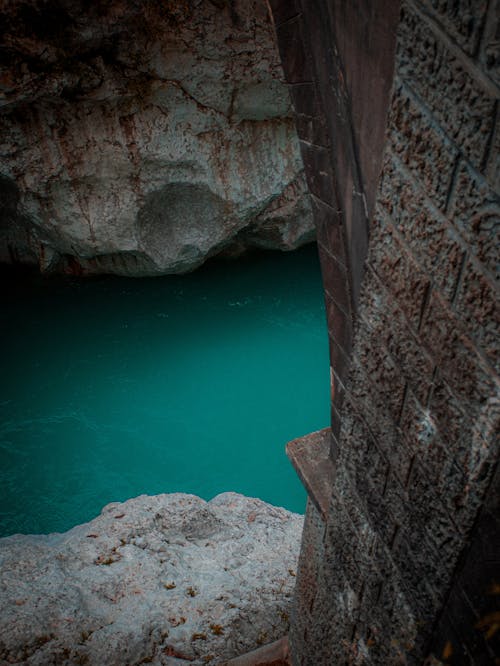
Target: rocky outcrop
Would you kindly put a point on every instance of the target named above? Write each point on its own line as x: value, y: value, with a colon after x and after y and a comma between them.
x: 142, y: 137
x: 169, y: 579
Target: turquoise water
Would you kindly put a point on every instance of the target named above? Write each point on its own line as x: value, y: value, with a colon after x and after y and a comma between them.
x: 114, y: 387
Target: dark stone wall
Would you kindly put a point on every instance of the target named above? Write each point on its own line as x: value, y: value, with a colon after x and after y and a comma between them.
x: 401, y: 562
x: 468, y: 628
x: 341, y: 140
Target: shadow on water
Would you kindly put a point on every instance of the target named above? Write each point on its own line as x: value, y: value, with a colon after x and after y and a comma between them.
x: 114, y: 387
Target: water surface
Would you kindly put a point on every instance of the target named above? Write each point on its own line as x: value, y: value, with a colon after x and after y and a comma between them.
x: 113, y: 387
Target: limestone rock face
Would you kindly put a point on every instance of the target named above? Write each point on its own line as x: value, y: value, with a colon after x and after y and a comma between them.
x: 169, y: 579
x: 141, y: 137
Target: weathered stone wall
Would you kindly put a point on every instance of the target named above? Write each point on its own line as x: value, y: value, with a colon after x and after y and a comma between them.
x: 412, y: 317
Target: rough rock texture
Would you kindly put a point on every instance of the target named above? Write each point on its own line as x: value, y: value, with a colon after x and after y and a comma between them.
x: 169, y: 579
x: 402, y: 562
x: 141, y: 137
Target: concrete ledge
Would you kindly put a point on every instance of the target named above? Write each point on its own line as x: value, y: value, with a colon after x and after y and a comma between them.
x: 274, y: 654
x: 310, y: 456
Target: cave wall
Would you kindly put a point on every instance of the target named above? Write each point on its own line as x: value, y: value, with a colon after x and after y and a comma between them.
x: 142, y: 137
x: 398, y: 558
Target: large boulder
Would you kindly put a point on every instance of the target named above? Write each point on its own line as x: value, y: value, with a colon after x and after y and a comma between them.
x: 168, y: 579
x: 141, y: 137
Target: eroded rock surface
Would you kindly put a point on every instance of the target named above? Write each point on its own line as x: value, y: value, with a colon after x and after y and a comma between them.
x: 168, y: 579
x: 141, y: 137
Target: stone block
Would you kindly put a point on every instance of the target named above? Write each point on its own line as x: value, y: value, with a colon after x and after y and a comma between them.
x: 433, y: 541
x: 479, y: 460
x: 339, y: 365
x: 471, y: 441
x: 478, y: 305
x: 385, y: 375
x: 459, y: 627
x: 492, y: 170
x: 341, y: 550
x: 333, y: 621
x: 375, y: 414
x: 369, y: 464
x: 377, y: 469
x: 390, y: 328
x: 489, y: 55
x: 467, y: 111
x: 377, y: 509
x: 335, y: 281
x: 192, y: 143
x: 328, y: 222
x: 422, y: 437
x: 357, y: 235
x: 305, y: 99
x: 319, y: 173
x: 312, y: 130
x: 372, y: 589
x: 383, y: 622
x: 354, y: 509
x: 448, y: 412
x: 284, y: 10
x: 327, y: 648
x: 340, y: 339
x: 454, y: 489
x: 471, y: 503
x: 383, y: 514
x: 486, y: 424
x: 448, y: 642
x: 447, y: 543
x: 478, y: 574
x: 300, y: 620
x: 436, y: 456
x: 339, y: 371
x: 377, y: 628
x: 445, y: 540
x: 456, y: 357
x: 475, y: 212
x: 419, y: 594
x: 422, y: 497
x: 141, y: 572
x: 397, y: 270
x: 336, y: 424
x: 424, y: 230
x: 309, y: 568
x: 396, y: 497
x: 292, y: 50
x: 421, y: 146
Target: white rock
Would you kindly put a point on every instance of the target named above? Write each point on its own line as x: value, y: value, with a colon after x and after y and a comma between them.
x: 165, y: 579
x: 145, y: 137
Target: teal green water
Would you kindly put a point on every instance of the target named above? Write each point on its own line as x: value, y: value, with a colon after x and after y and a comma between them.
x: 114, y: 387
